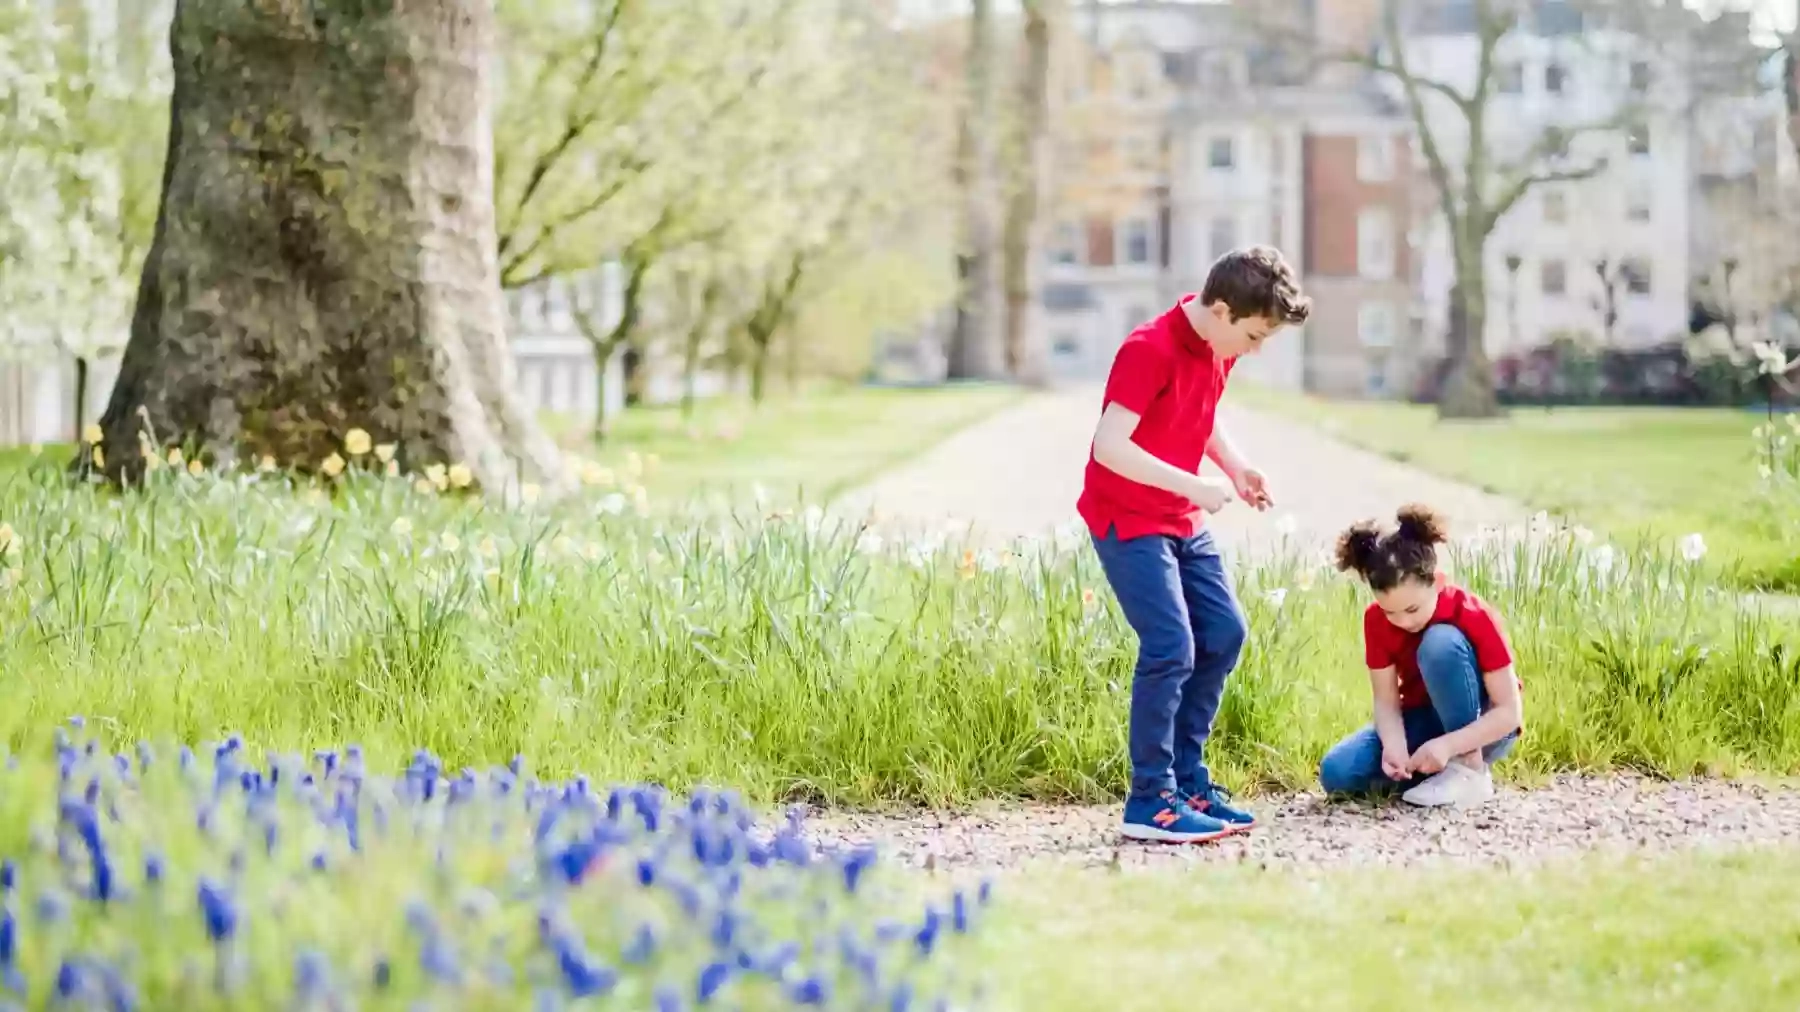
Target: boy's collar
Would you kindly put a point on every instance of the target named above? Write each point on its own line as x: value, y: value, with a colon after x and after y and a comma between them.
x: 1184, y: 327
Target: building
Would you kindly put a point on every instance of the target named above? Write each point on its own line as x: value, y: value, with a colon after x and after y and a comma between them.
x: 1181, y: 134
x: 1611, y: 258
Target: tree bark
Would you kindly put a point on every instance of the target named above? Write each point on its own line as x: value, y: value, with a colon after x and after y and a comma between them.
x: 1791, y: 84
x: 1468, y: 390
x: 324, y: 253
x: 1023, y: 243
x: 977, y: 349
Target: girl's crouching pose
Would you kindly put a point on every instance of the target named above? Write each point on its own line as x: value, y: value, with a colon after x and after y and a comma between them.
x: 1447, y: 702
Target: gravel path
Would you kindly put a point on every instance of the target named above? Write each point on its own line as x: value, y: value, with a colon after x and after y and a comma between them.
x: 1567, y: 817
x: 1018, y: 474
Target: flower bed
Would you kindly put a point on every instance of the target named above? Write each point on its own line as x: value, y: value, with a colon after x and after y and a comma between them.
x: 204, y: 879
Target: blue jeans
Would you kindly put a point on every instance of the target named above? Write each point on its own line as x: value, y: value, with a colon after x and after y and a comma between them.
x: 1177, y: 597
x: 1458, y: 698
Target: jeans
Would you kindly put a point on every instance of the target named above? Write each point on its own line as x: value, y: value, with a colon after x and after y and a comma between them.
x: 1177, y: 597
x: 1458, y: 698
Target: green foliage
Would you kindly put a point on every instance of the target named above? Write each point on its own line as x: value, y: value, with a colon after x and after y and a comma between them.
x: 781, y: 654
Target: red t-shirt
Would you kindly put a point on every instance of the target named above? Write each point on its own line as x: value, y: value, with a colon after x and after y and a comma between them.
x: 1387, y: 645
x: 1168, y: 375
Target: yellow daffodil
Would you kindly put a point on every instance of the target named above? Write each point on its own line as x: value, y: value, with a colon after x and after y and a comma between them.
x: 487, y: 547
x: 423, y: 486
x: 449, y: 542
x: 99, y: 456
x: 175, y: 457
x: 332, y: 466
x: 196, y: 468
x: 436, y: 475
x: 460, y: 476
x: 385, y: 453
x: 266, y: 464
x: 357, y: 442
x: 93, y: 435
x: 401, y: 527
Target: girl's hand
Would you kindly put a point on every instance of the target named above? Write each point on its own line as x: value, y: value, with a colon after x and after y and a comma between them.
x: 1431, y: 757
x: 1395, y: 763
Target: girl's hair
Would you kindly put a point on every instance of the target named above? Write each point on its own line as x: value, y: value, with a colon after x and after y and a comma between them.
x: 1408, y: 552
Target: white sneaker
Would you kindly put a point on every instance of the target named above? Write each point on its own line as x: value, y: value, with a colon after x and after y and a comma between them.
x: 1455, y: 785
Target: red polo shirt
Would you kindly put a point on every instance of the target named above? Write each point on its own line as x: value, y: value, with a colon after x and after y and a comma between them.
x: 1387, y: 645
x: 1167, y: 375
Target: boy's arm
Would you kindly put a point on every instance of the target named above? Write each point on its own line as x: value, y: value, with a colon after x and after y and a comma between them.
x: 1115, y: 450
x: 1223, y: 452
x: 1505, y: 715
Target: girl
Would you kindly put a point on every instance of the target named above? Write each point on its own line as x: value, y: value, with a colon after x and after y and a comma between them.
x: 1447, y: 702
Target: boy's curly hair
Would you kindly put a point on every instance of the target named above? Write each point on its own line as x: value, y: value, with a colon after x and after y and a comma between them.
x: 1408, y: 552
x: 1257, y: 281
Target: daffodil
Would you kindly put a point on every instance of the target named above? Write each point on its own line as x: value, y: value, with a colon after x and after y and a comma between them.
x: 92, y: 435
x: 99, y: 456
x: 529, y: 493
x: 266, y: 464
x: 438, y: 476
x: 175, y: 457
x: 385, y: 452
x: 460, y: 476
x: 487, y: 547
x: 332, y: 466
x: 357, y: 442
x: 196, y: 468
x: 1693, y: 547
x: 401, y: 527
x: 449, y: 542
x: 423, y: 486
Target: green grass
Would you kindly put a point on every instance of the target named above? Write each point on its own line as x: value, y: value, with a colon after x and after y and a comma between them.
x: 1634, y: 472
x: 788, y: 662
x: 822, y: 441
x: 1676, y: 932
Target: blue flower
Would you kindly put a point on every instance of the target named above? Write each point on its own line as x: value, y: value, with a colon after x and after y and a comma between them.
x: 9, y: 875
x: 217, y: 907
x: 712, y: 977
x: 811, y: 991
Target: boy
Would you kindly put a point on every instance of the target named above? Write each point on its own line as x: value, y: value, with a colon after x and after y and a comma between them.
x: 1143, y: 501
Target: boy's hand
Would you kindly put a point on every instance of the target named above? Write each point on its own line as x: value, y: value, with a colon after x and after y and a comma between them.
x: 1430, y: 757
x: 1210, y: 494
x: 1253, y: 488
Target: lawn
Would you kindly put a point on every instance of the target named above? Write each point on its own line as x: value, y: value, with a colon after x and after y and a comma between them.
x: 1715, y: 931
x: 1633, y: 472
x: 819, y: 442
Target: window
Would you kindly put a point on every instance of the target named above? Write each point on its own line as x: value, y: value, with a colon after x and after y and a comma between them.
x: 1637, y: 202
x: 1637, y: 138
x: 1376, y: 324
x: 1137, y: 241
x: 1065, y: 246
x: 1139, y: 152
x: 1221, y: 238
x: 1375, y: 243
x: 1556, y: 78
x: 1376, y: 381
x: 1375, y: 159
x: 1509, y: 78
x: 1065, y: 345
x: 1556, y: 207
x: 1636, y: 272
x: 1219, y: 153
x: 1553, y: 277
x: 1640, y: 76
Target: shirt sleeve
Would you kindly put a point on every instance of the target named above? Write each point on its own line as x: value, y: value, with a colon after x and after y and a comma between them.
x: 1378, y: 650
x: 1482, y: 627
x: 1139, y: 373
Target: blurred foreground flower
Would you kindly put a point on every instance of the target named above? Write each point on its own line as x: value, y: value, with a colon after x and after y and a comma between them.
x: 322, y: 884
x: 357, y: 442
x: 1693, y: 547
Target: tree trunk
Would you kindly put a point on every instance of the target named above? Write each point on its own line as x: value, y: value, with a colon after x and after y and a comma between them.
x: 81, y: 399
x: 1468, y: 390
x: 977, y: 349
x: 1791, y: 85
x: 1025, y: 358
x: 323, y: 257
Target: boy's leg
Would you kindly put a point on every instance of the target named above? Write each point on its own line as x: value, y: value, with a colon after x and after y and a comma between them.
x: 1144, y: 577
x: 1219, y: 632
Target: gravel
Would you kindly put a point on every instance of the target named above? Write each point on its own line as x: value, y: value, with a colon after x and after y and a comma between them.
x: 1568, y: 816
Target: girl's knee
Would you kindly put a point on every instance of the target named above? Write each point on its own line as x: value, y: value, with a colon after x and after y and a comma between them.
x: 1444, y: 641
x: 1341, y: 772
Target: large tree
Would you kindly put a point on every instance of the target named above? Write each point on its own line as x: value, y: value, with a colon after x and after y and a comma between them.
x: 324, y: 253
x: 977, y: 339
x: 1023, y: 242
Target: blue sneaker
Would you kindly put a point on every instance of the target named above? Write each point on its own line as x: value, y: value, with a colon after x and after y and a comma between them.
x: 1216, y: 803
x: 1169, y: 818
